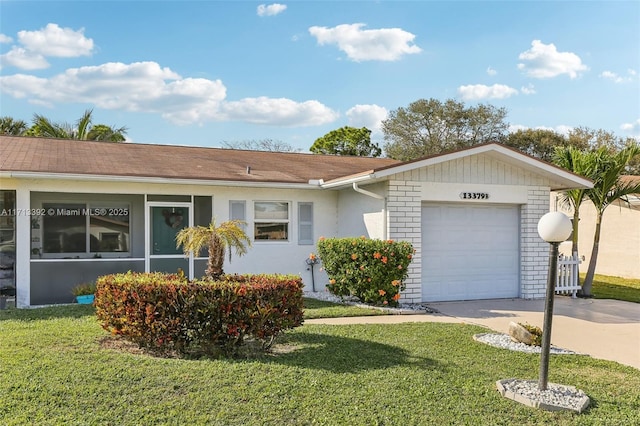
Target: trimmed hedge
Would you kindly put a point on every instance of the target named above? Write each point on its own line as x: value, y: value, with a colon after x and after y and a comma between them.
x: 166, y: 313
x: 371, y: 270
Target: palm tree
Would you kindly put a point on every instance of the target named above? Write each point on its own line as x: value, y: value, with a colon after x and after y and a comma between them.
x: 82, y: 130
x: 580, y: 162
x: 607, y: 188
x: 11, y: 127
x: 217, y: 239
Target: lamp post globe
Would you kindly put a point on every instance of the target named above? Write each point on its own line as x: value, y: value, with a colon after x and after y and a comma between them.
x: 554, y: 227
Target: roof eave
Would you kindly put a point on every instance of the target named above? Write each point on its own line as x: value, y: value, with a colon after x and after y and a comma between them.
x: 157, y: 180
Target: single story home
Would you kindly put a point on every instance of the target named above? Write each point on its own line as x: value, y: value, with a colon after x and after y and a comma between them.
x: 619, y: 248
x: 74, y: 210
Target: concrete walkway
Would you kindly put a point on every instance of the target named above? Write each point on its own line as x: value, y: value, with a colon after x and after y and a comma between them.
x: 604, y: 329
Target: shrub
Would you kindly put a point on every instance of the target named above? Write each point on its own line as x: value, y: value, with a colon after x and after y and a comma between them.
x: 536, y: 333
x: 166, y: 313
x: 371, y: 270
x: 84, y: 289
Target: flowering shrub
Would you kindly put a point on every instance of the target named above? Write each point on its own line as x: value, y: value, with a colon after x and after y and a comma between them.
x: 165, y: 312
x: 371, y: 270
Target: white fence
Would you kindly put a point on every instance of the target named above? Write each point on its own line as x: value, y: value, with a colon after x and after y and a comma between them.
x: 567, y: 279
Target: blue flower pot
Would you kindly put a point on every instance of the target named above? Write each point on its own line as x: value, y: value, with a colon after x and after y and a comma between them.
x: 86, y: 299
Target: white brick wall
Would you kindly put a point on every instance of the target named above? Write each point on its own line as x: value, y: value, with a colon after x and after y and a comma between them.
x: 404, y: 210
x: 534, y: 252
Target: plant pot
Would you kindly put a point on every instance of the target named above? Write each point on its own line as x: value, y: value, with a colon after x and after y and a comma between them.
x: 86, y: 299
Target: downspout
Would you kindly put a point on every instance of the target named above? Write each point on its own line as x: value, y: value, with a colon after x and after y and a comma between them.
x: 384, y: 208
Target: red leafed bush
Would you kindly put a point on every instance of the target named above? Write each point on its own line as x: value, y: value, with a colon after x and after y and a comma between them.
x: 166, y: 313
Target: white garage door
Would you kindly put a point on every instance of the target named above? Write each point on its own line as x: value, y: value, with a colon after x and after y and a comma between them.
x: 469, y: 252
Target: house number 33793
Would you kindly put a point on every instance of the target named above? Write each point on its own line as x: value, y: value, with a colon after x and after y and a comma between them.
x: 474, y: 195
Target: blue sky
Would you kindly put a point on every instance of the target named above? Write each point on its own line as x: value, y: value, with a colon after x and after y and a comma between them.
x: 205, y: 72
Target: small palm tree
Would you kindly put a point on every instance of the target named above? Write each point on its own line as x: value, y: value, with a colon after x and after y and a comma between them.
x: 607, y: 188
x: 11, y: 127
x: 217, y: 239
x: 580, y: 162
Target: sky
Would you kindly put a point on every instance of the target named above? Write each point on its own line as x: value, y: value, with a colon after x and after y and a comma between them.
x: 206, y: 73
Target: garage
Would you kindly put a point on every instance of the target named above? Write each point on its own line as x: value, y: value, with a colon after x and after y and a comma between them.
x: 470, y: 251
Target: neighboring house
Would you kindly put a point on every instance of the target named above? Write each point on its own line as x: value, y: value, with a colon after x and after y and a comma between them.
x: 619, y: 249
x: 74, y: 210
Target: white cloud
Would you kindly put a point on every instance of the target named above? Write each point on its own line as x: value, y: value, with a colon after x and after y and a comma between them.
x: 529, y: 89
x: 544, y: 61
x: 385, y: 44
x: 23, y: 59
x: 279, y: 111
x: 369, y: 116
x: 491, y: 71
x: 55, y: 41
x: 271, y: 10
x: 147, y: 87
x: 50, y: 41
x: 632, y: 128
x: 616, y: 78
x: 474, y: 92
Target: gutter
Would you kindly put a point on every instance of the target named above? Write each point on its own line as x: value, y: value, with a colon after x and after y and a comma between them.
x: 155, y: 180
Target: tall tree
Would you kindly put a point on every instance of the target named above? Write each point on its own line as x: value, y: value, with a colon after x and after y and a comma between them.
x: 607, y: 188
x: 430, y: 126
x: 538, y: 143
x: 217, y: 239
x: 82, y: 130
x: 347, y: 141
x: 11, y: 127
x: 261, y: 145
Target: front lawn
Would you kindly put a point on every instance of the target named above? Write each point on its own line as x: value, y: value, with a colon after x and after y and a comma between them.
x: 607, y: 287
x: 55, y: 369
x: 314, y: 308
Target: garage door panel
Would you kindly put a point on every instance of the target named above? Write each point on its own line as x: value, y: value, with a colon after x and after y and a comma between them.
x: 470, y: 252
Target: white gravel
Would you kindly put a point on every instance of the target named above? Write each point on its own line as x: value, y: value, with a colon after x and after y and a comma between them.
x: 555, y: 397
x: 504, y: 341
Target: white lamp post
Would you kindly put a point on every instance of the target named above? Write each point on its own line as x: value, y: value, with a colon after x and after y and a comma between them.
x: 554, y: 228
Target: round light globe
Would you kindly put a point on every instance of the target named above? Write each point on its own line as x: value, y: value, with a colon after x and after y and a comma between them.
x: 554, y: 227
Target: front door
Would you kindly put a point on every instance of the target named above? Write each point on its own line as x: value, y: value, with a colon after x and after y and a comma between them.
x: 165, y: 221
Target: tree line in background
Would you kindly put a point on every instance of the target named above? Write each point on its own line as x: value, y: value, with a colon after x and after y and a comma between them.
x: 83, y: 129
x: 430, y: 127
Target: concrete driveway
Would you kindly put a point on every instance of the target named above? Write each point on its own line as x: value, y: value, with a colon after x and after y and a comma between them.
x: 604, y: 329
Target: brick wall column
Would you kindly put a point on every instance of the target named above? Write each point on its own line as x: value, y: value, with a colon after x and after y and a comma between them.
x: 404, y: 216
x: 534, y: 251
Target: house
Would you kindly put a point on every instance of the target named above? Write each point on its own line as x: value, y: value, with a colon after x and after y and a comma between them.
x: 75, y: 210
x: 619, y: 248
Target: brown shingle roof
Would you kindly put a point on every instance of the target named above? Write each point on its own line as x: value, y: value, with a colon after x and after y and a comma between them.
x: 26, y: 154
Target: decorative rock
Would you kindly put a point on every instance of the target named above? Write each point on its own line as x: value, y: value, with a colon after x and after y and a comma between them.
x: 520, y: 334
x: 555, y: 398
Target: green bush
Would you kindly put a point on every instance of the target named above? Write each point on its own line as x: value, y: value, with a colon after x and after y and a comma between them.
x: 371, y: 270
x: 536, y: 333
x: 166, y: 313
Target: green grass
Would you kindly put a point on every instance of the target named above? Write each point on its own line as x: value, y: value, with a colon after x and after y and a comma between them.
x: 606, y: 287
x: 314, y: 308
x: 54, y: 371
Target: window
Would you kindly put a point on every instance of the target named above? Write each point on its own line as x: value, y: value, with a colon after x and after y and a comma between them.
x: 85, y: 228
x: 271, y: 220
x: 305, y: 223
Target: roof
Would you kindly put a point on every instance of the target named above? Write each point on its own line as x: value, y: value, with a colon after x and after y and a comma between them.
x: 28, y: 156
x: 65, y: 156
x: 560, y: 178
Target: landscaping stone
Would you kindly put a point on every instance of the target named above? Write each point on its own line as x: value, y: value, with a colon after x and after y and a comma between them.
x: 520, y: 334
x: 554, y: 398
